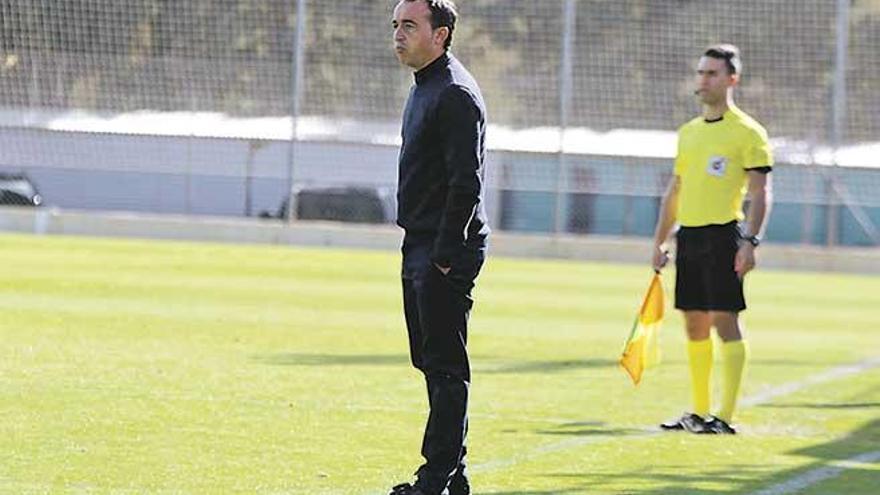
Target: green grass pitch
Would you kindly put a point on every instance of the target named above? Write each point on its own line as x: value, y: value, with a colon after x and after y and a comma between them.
x: 158, y: 367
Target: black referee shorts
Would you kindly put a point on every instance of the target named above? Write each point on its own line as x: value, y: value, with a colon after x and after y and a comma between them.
x: 705, y: 279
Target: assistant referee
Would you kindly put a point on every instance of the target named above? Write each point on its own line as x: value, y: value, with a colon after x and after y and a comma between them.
x: 721, y: 154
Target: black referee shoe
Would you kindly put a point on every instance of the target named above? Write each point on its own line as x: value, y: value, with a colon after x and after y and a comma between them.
x: 718, y: 426
x: 689, y: 422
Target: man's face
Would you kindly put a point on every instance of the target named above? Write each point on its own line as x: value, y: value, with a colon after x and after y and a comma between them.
x: 713, y: 80
x: 415, y: 42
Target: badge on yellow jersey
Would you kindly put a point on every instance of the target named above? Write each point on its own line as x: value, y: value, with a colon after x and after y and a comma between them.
x: 717, y: 166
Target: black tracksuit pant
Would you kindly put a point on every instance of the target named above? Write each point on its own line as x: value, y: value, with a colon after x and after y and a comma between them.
x: 437, y: 308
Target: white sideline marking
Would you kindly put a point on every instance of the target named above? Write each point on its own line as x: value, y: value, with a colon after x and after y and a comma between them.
x: 757, y: 399
x: 760, y: 398
x: 827, y: 376
x: 818, y: 475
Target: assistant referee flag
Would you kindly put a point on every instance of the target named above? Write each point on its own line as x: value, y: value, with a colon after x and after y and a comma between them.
x: 642, y: 350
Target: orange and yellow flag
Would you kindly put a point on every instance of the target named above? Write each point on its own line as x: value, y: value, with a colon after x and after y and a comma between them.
x: 642, y: 349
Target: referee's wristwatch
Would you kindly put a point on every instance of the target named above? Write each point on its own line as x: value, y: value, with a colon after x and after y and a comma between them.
x: 754, y: 240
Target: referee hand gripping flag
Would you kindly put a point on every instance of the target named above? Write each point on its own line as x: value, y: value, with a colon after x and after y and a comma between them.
x: 642, y: 347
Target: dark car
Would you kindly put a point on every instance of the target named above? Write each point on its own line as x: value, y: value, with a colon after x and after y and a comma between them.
x: 341, y: 204
x: 19, y: 190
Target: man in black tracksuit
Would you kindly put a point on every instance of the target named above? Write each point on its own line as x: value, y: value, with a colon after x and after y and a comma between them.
x: 440, y: 208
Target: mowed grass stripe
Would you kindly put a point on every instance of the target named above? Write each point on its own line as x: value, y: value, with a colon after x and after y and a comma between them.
x: 199, y: 368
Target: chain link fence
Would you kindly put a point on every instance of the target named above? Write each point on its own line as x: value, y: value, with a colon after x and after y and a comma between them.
x: 225, y: 107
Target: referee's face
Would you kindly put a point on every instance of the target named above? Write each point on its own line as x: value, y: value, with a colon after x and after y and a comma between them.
x: 713, y: 80
x: 416, y: 43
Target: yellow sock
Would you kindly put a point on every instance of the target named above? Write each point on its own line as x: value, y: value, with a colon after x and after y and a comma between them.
x: 734, y: 356
x: 700, y: 360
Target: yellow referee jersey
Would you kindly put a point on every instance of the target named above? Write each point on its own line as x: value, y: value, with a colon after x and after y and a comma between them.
x: 712, y: 161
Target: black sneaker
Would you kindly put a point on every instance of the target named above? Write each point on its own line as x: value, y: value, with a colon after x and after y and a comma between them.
x: 459, y: 485
x: 689, y: 422
x: 718, y: 426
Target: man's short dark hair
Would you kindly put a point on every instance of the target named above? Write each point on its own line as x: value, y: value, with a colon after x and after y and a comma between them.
x: 443, y: 14
x: 728, y: 53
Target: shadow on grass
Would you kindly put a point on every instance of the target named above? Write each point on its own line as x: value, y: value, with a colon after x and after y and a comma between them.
x: 482, y: 366
x: 865, y: 439
x: 664, y: 479
x: 600, y: 482
x: 537, y: 492
x: 589, y: 428
x: 546, y: 366
x: 786, y: 363
x: 303, y: 359
x: 807, y: 405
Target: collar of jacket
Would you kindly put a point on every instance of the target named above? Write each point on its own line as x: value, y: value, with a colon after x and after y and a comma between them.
x: 429, y: 71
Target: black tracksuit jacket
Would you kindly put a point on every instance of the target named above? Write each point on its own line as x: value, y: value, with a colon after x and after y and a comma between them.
x: 441, y: 177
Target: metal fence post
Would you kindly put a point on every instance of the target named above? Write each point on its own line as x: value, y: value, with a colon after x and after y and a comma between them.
x: 838, y: 116
x: 296, y: 92
x: 569, y: 18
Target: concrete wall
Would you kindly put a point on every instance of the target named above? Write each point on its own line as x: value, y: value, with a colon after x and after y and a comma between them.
x: 605, y: 195
x: 48, y: 221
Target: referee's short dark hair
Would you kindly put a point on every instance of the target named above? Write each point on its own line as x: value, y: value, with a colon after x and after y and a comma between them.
x: 727, y: 52
x: 443, y: 14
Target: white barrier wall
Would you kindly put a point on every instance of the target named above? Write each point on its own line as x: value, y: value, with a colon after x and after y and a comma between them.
x: 215, y: 229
